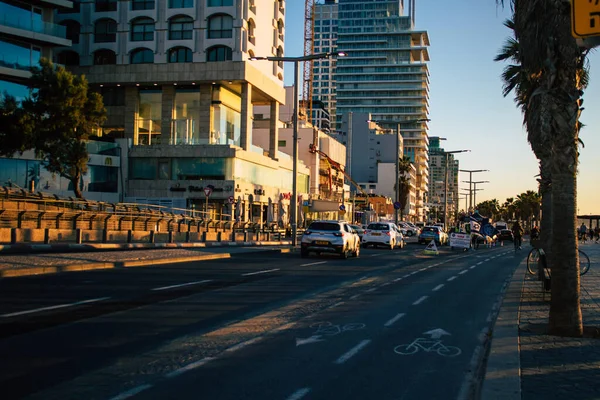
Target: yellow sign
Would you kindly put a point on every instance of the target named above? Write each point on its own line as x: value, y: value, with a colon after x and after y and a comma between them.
x: 585, y: 18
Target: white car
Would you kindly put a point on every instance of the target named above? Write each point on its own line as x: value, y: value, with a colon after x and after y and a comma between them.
x: 411, y: 230
x: 330, y: 237
x: 383, y: 234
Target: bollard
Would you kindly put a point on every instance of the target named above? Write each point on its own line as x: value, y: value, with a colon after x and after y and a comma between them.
x: 203, y: 237
x: 46, y: 236
x: 129, y: 236
x: 219, y: 236
x: 152, y: 236
x: 78, y: 235
x: 188, y: 237
x: 104, y: 236
x: 13, y: 236
x: 245, y: 236
x: 171, y: 238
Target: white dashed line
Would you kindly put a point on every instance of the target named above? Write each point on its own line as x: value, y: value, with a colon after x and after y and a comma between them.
x: 480, y: 262
x: 56, y: 307
x: 181, y: 285
x: 451, y: 278
x: 345, y: 357
x: 393, y: 320
x: 356, y: 296
x: 464, y: 271
x: 315, y: 263
x: 438, y: 287
x: 337, y: 304
x: 298, y: 394
x: 375, y: 255
x: 132, y: 392
x: 189, y: 367
x: 422, y: 299
x: 472, y: 266
x: 240, y: 346
x: 371, y: 290
x: 261, y: 272
x: 397, y: 279
x: 385, y: 284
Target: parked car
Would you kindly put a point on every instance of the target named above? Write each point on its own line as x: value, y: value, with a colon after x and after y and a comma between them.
x: 411, y: 230
x: 429, y: 233
x: 383, y: 234
x: 330, y: 237
x: 359, y: 230
x: 505, y: 234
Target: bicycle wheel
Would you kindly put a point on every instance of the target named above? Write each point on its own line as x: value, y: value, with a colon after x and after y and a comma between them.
x: 448, y: 351
x: 406, y: 349
x: 533, y: 259
x: 584, y: 263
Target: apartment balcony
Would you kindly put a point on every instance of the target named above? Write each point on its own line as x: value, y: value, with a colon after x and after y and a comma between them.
x: 39, y: 32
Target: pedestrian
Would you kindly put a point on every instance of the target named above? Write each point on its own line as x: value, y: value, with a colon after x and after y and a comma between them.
x: 582, y: 232
x: 597, y: 232
x: 517, y: 230
x: 535, y: 232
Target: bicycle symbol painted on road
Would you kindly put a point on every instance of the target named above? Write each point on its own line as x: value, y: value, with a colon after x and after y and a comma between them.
x: 427, y: 345
x: 328, y: 329
x: 433, y: 344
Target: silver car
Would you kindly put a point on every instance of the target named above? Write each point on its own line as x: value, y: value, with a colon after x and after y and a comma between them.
x: 330, y: 237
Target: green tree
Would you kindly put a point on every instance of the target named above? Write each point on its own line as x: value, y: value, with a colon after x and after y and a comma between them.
x: 404, y: 166
x: 56, y: 120
x: 551, y: 55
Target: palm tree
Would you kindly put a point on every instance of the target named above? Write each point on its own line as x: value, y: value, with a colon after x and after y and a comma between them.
x: 551, y: 55
x: 404, y: 166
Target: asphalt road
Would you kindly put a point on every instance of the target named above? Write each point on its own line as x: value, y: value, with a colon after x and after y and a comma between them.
x: 391, y: 324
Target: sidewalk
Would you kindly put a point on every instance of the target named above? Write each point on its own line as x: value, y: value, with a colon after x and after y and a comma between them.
x: 526, y: 363
x: 16, y: 265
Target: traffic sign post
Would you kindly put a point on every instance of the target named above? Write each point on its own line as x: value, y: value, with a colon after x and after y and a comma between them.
x: 585, y: 18
x: 207, y: 192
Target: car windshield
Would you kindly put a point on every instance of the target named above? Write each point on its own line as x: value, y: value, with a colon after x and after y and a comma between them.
x: 324, y: 226
x: 379, y: 227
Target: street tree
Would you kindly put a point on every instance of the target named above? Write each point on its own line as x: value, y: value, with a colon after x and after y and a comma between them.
x: 56, y: 119
x: 550, y: 53
x: 404, y: 166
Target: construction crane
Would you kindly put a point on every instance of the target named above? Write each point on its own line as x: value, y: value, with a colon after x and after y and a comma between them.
x: 336, y: 166
x: 307, y: 82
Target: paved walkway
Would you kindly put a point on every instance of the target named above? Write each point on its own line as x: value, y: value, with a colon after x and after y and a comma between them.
x: 549, y: 367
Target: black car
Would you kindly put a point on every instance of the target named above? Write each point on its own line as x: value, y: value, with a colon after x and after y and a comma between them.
x: 505, y: 234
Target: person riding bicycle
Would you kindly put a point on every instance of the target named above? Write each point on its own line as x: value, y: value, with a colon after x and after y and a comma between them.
x: 535, y: 233
x: 517, y: 230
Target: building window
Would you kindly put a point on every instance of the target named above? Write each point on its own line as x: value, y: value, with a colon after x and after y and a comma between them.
x: 220, y: 3
x: 142, y: 29
x: 186, y: 117
x: 142, y: 4
x: 220, y: 26
x: 280, y: 54
x: 105, y: 57
x: 180, y: 55
x: 105, y: 31
x: 181, y: 3
x: 280, y: 29
x: 149, y: 117
x: 180, y: 27
x: 68, y: 58
x: 281, y: 143
x: 73, y: 29
x: 251, y: 28
x: 112, y: 96
x: 106, y: 5
x: 219, y: 53
x: 141, y: 56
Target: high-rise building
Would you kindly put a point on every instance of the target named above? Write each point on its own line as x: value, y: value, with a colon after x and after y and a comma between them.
x: 384, y: 73
x: 179, y: 84
x: 437, y: 175
x: 28, y: 32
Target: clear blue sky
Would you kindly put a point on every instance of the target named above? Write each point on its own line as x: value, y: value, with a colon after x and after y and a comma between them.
x: 466, y: 103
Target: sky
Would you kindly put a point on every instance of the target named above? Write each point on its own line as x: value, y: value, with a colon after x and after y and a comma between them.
x: 466, y: 104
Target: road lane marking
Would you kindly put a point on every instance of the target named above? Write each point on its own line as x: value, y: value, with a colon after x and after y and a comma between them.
x: 189, y: 367
x: 371, y: 290
x: 385, y: 284
x: 422, y: 299
x: 464, y: 271
x: 393, y: 320
x: 356, y: 296
x: 480, y: 262
x: 438, y: 287
x: 423, y: 269
x: 182, y: 285
x: 337, y: 304
x: 350, y: 353
x: 240, y: 346
x: 298, y: 394
x: 472, y: 266
x: 452, y: 278
x: 261, y: 272
x: 315, y: 263
x: 398, y: 279
x: 56, y: 307
x: 132, y: 392
x: 376, y: 255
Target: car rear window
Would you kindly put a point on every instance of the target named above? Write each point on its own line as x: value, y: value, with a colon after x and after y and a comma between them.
x: 324, y: 226
x: 379, y: 227
x: 429, y: 229
x: 505, y: 231
x: 355, y: 227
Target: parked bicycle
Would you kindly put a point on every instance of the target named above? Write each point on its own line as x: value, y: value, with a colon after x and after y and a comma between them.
x: 534, y: 256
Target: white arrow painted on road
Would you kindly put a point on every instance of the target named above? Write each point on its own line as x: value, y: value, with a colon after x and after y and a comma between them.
x: 312, y: 339
x: 436, y: 333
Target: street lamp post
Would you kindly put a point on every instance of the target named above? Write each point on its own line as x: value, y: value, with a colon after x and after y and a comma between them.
x: 446, y: 153
x: 471, y: 172
x: 475, y: 191
x: 294, y: 199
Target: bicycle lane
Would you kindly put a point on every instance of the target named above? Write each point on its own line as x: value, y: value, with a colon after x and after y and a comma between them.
x: 308, y: 361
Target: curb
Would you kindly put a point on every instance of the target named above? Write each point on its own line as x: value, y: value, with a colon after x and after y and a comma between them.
x: 66, y: 247
x: 503, y: 372
x: 31, y: 271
